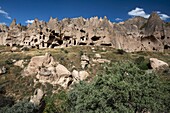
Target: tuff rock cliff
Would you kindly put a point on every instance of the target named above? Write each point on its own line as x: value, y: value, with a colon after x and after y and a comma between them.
x: 136, y: 34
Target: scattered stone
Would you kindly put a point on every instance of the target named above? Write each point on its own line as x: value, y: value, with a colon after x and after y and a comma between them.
x: 3, y: 70
x: 103, y: 48
x: 19, y: 63
x: 14, y: 49
x: 75, y: 74
x: 101, y: 61
x: 83, y: 75
x: 84, y: 61
x: 97, y: 56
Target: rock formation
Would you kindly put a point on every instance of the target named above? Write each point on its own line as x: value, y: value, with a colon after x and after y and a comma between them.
x: 136, y: 34
x: 158, y: 64
x: 45, y: 69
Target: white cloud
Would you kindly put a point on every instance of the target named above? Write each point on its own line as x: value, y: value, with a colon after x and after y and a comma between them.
x: 118, y: 19
x: 2, y: 23
x: 163, y: 16
x: 138, y: 12
x: 5, y: 14
x: 29, y: 21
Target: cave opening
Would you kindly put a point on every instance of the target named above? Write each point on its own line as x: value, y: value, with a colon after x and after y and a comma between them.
x: 82, y: 43
x: 109, y: 44
x: 95, y: 38
x: 41, y: 33
x: 35, y: 40
x: 166, y: 47
x: 48, y: 44
x: 67, y: 37
x: 91, y: 43
x: 37, y: 46
x: 82, y: 31
x: 162, y: 37
x: 82, y: 38
x: 54, y: 45
x: 60, y: 42
x: 75, y: 42
x: 43, y: 37
x: 154, y: 49
x: 51, y: 37
x: 42, y: 43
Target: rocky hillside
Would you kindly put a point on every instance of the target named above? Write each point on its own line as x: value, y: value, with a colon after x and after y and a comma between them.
x: 136, y: 34
x: 36, y: 74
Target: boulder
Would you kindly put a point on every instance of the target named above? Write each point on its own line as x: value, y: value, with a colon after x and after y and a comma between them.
x: 14, y: 49
x: 37, y: 97
x: 84, y: 58
x: 158, y: 64
x: 62, y: 70
x: 83, y: 75
x: 37, y: 62
x: 97, y: 56
x: 2, y: 70
x: 75, y: 74
x: 19, y: 63
x: 84, y: 61
x: 84, y: 64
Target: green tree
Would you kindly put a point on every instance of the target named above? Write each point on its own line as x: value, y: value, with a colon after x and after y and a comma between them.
x: 120, y: 88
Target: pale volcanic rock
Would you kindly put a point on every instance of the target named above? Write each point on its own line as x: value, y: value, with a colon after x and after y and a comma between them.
x: 158, y: 64
x: 135, y: 34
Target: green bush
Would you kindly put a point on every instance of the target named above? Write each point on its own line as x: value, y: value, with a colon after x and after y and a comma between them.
x: 120, y: 51
x: 56, y: 103
x: 120, y: 88
x: 142, y: 63
x: 64, y: 50
x: 20, y: 107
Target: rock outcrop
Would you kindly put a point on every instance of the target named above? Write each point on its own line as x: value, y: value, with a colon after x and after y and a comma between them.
x: 46, y: 70
x: 136, y: 34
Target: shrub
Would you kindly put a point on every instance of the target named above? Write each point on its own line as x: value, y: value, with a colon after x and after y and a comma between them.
x: 64, y: 50
x: 120, y: 87
x: 20, y: 107
x: 142, y: 63
x: 56, y: 103
x: 120, y: 51
x: 25, y: 49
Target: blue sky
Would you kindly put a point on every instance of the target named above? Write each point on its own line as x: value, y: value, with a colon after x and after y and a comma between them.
x: 116, y: 10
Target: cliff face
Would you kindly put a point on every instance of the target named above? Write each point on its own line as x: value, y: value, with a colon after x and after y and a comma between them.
x: 136, y: 34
